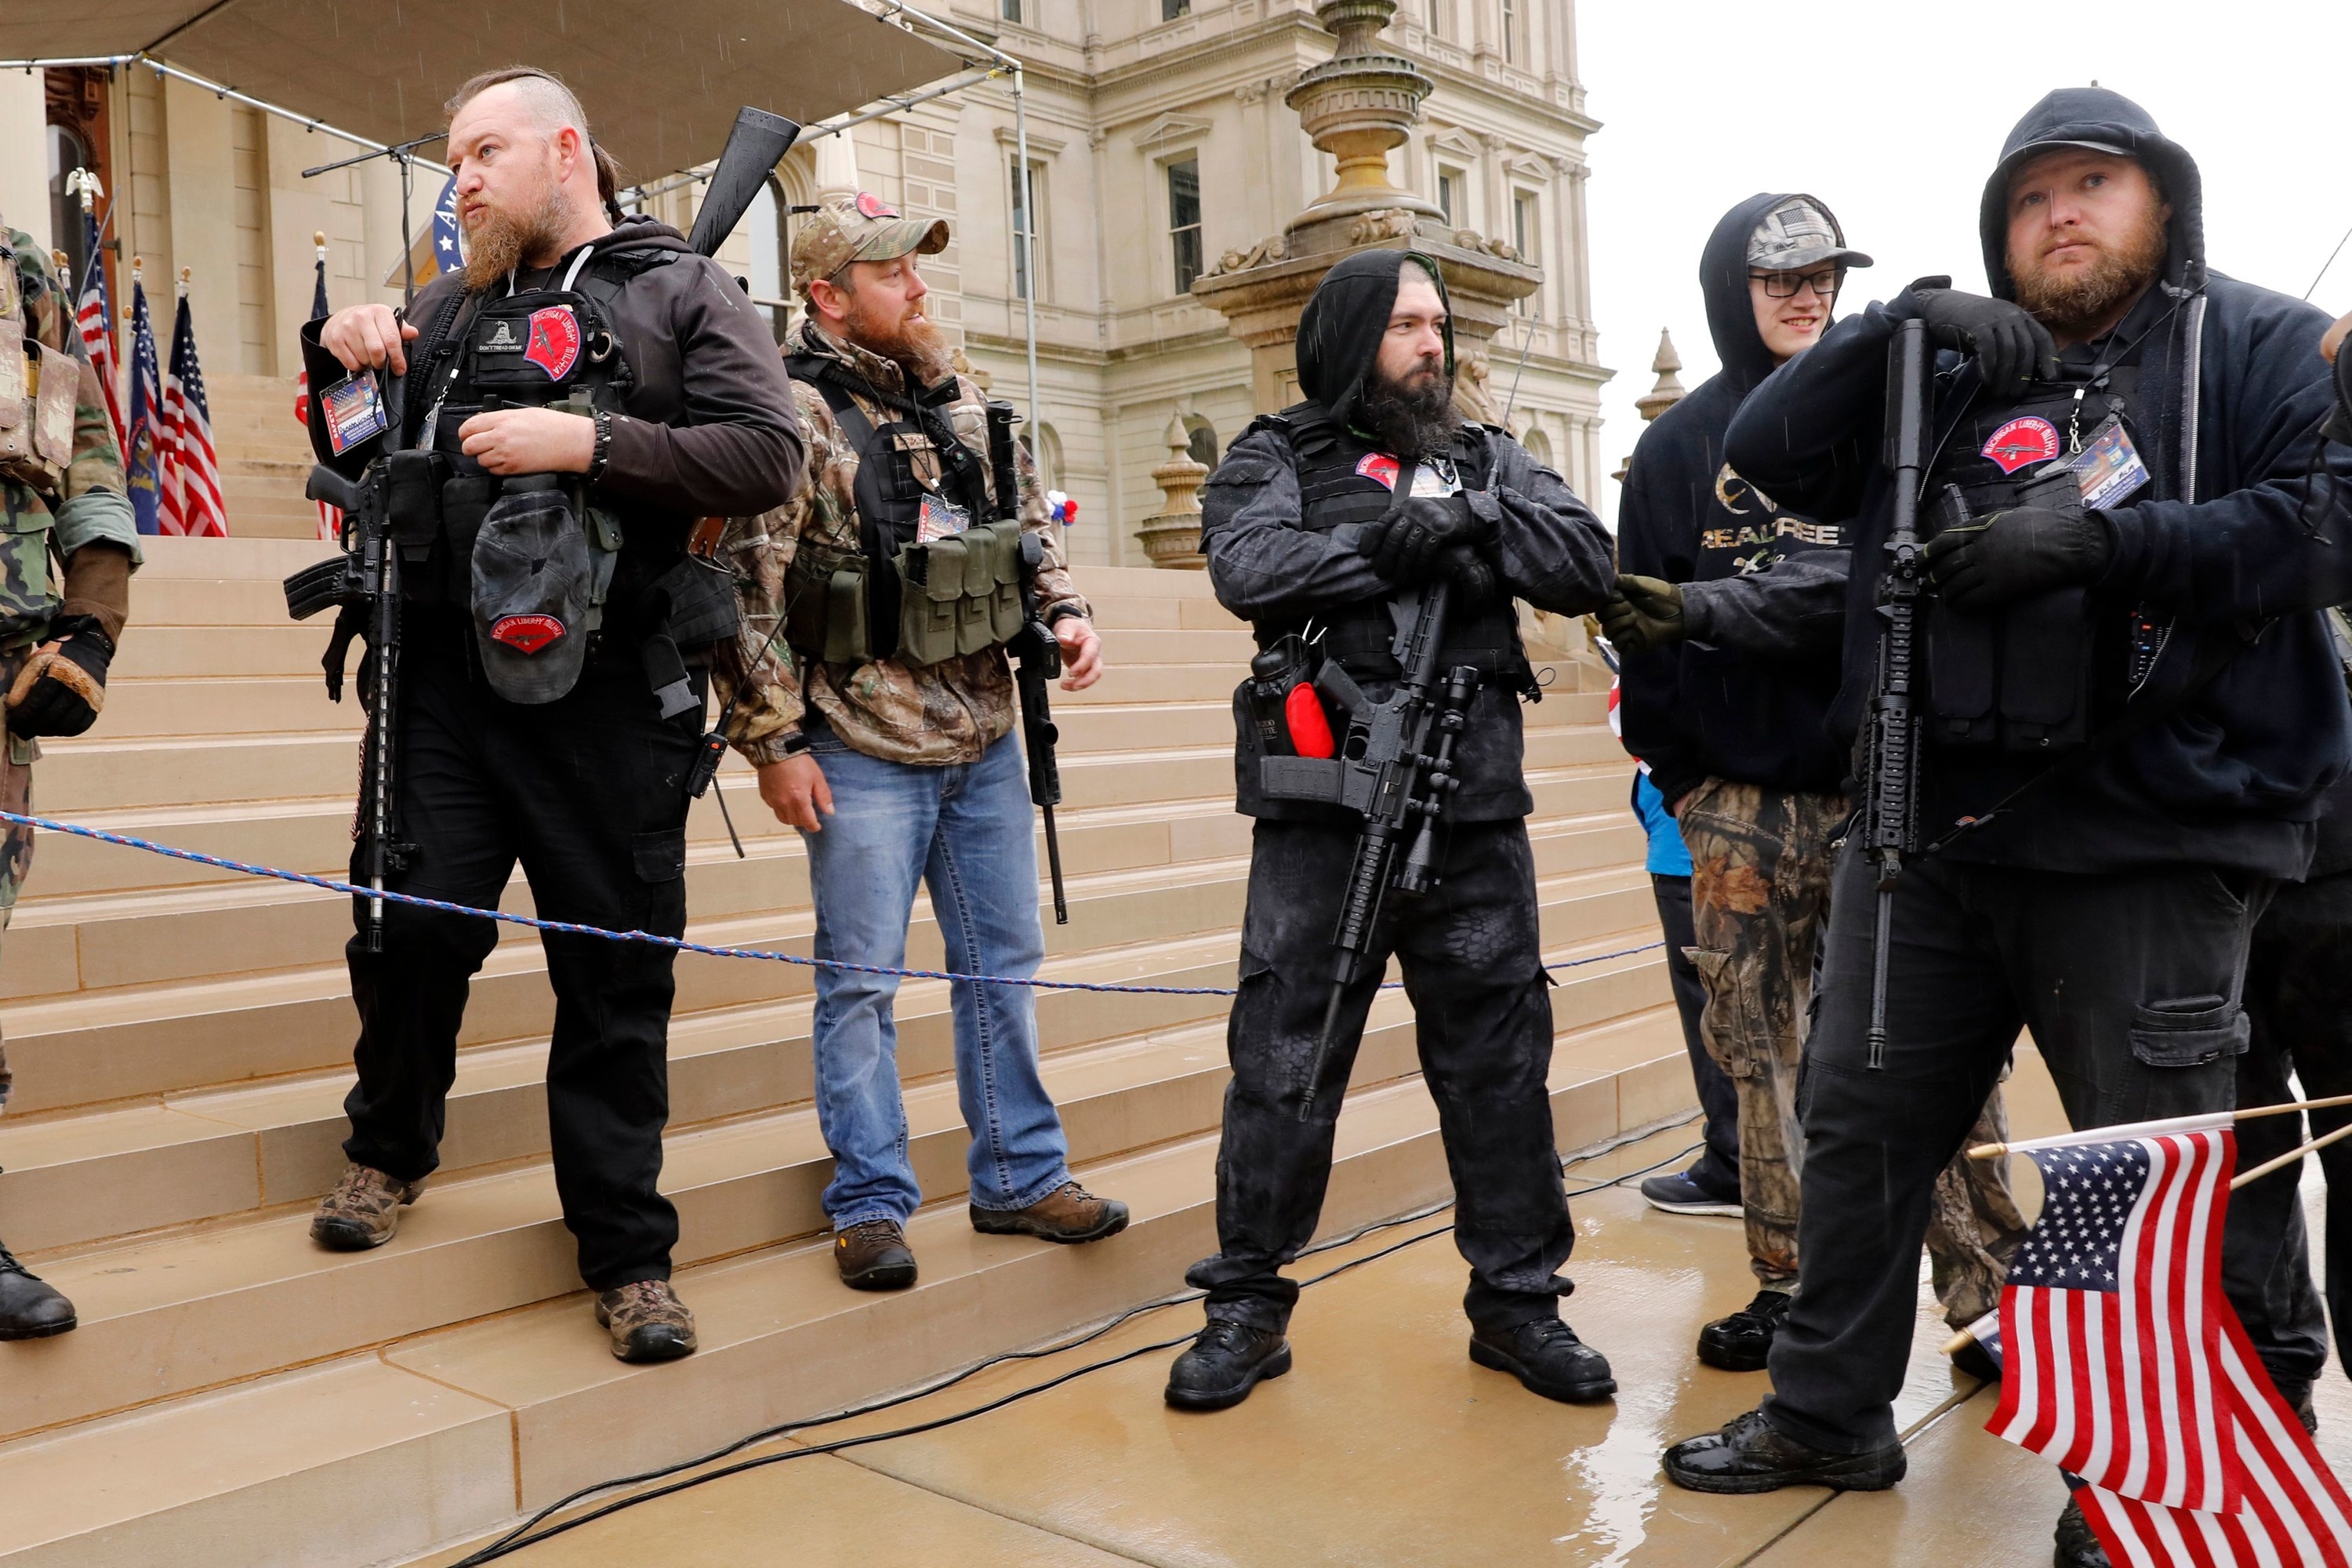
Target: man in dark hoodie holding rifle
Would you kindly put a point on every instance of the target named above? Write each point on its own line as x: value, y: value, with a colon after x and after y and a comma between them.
x: 1724, y: 694
x: 2132, y: 714
x: 1321, y: 517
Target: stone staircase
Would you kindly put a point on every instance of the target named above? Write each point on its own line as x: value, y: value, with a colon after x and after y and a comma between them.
x: 264, y: 456
x: 180, y: 1040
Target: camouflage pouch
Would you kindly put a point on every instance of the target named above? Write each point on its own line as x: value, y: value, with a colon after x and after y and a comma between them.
x: 17, y: 410
x: 56, y: 384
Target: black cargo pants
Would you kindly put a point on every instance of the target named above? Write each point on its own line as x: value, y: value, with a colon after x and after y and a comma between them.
x: 2299, y: 1001
x: 2131, y: 985
x: 1473, y: 962
x: 589, y: 793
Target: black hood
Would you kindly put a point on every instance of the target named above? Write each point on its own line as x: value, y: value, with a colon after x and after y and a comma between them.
x: 1722, y: 280
x: 1341, y: 330
x: 2094, y: 116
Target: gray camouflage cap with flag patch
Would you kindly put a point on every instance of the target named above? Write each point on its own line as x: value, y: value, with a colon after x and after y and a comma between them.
x: 862, y: 227
x: 1798, y: 233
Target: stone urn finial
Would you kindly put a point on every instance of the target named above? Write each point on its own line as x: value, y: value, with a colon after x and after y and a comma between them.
x: 1669, y: 389
x: 1171, y: 536
x: 1358, y: 105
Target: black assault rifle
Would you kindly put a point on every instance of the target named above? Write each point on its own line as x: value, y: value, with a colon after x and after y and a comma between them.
x: 1891, y: 808
x: 1395, y: 766
x: 379, y: 487
x: 1037, y: 658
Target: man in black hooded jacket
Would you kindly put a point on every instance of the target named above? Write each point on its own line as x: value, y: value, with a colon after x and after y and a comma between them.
x: 1724, y: 694
x: 1312, y: 527
x: 2119, y: 524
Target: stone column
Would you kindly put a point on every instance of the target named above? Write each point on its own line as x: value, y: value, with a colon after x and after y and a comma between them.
x: 1171, y: 536
x: 1358, y: 106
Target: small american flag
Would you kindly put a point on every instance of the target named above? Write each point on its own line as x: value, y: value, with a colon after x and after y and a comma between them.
x: 142, y: 454
x: 192, y: 487
x: 2126, y: 1364
x: 95, y: 319
x: 330, y: 518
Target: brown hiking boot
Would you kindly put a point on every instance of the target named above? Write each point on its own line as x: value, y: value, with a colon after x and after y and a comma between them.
x: 873, y: 1255
x: 647, y: 1321
x: 363, y: 1211
x: 1069, y: 1212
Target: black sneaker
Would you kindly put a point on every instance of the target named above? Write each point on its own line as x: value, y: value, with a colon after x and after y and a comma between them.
x: 1743, y: 1342
x: 1547, y: 1358
x: 1677, y: 1194
x: 1749, y: 1455
x: 1224, y: 1362
x: 2077, y: 1545
x: 30, y: 1309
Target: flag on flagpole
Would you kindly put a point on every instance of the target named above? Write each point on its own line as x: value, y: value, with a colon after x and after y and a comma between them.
x: 142, y: 454
x: 331, y: 520
x: 2125, y: 1364
x: 95, y: 319
x: 192, y: 492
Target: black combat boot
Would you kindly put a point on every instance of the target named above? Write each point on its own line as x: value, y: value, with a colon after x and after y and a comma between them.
x: 29, y: 1308
x: 1225, y: 1363
x: 1743, y: 1342
x: 2077, y: 1545
x: 1749, y: 1455
x: 1548, y: 1358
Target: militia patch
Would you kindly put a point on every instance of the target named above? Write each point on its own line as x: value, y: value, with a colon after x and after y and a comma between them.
x: 554, y: 341
x: 874, y: 206
x: 1378, y: 466
x: 526, y: 634
x: 2030, y: 440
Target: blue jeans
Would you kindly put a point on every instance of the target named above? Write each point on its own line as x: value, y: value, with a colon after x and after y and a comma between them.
x: 965, y: 831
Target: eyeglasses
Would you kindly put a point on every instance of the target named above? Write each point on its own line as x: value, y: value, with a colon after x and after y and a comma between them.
x: 1782, y: 285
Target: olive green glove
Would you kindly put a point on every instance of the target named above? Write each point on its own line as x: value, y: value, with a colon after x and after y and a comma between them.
x: 1647, y: 614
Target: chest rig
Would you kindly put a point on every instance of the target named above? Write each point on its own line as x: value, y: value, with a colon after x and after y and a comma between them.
x: 1337, y: 487
x: 37, y: 388
x: 897, y: 595
x: 2031, y: 677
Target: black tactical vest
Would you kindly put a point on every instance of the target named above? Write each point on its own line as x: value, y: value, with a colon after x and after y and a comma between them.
x: 2032, y: 677
x: 1338, y: 486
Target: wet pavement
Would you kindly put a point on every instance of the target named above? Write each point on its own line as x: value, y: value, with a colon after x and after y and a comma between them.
x: 1385, y: 1444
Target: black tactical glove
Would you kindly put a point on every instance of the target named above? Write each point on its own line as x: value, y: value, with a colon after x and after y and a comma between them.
x: 2010, y: 347
x: 1404, y: 541
x: 1477, y: 586
x: 63, y: 685
x: 1980, y: 567
x: 1646, y: 614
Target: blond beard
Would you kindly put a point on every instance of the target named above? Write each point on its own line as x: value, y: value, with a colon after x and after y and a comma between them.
x: 918, y: 348
x: 2085, y: 300
x: 501, y: 241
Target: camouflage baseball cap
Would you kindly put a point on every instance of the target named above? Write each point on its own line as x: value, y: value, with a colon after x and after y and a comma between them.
x: 863, y: 227
x: 1798, y: 233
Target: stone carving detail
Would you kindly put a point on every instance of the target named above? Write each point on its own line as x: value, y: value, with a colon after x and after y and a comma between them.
x: 1271, y: 248
x: 1473, y: 393
x: 1384, y: 223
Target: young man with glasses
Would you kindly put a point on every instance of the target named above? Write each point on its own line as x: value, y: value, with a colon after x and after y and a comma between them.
x: 1725, y: 692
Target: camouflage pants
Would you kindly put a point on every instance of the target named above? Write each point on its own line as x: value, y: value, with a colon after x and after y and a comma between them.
x: 15, y: 839
x: 1759, y: 895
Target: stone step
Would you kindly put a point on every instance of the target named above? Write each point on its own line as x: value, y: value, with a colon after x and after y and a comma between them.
x: 182, y: 1313
x: 135, y: 1043
x: 444, y: 1436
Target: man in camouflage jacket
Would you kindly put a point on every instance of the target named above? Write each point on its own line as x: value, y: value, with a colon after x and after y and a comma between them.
x: 895, y: 765
x: 65, y: 593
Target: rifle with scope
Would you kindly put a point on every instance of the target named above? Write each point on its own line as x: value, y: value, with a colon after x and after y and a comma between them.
x: 1036, y: 655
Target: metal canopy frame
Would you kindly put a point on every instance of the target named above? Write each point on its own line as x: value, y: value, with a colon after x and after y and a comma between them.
x: 982, y: 62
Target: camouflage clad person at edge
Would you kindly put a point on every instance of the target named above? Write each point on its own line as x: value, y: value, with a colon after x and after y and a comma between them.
x: 576, y: 399
x: 65, y: 593
x: 1312, y: 531
x: 1726, y: 695
x: 878, y: 712
x: 2131, y: 716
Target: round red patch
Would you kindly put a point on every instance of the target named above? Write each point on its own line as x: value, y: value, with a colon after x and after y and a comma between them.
x: 2030, y: 440
x: 526, y: 634
x: 554, y: 341
x: 872, y: 206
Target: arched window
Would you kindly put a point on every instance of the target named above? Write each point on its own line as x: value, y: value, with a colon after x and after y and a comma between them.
x: 767, y: 226
x: 1201, y: 439
x: 1539, y: 445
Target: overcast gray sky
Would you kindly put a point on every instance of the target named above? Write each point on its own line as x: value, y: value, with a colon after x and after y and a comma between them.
x: 1894, y: 113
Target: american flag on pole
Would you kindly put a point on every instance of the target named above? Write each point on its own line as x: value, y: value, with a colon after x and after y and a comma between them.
x: 192, y: 487
x: 330, y: 518
x: 142, y: 455
x: 2126, y: 1364
x: 95, y: 319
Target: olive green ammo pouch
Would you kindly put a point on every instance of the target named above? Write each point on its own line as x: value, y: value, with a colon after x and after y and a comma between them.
x: 960, y: 594
x: 826, y: 604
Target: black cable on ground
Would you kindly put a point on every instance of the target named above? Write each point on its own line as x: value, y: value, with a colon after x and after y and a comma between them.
x: 517, y: 1538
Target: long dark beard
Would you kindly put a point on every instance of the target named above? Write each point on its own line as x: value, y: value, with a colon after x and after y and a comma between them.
x: 499, y: 244
x: 918, y: 347
x: 1412, y: 420
x: 2084, y: 301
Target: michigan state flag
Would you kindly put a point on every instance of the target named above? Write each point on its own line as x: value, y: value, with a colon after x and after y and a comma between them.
x: 142, y: 456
